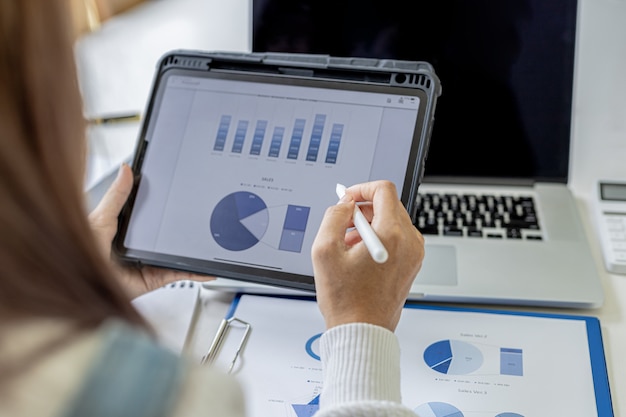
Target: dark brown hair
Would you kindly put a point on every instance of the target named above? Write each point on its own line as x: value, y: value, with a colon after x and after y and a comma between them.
x: 50, y: 265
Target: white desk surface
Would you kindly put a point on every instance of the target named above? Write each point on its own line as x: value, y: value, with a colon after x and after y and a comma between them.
x: 599, y: 152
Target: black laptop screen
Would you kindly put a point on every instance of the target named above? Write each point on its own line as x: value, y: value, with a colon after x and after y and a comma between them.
x: 506, y: 69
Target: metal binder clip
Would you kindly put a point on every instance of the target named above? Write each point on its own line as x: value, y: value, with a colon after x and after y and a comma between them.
x: 220, y: 336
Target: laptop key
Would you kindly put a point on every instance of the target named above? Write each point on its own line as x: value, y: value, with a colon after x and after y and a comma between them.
x: 474, y: 232
x: 429, y: 230
x: 452, y: 231
x: 513, y: 233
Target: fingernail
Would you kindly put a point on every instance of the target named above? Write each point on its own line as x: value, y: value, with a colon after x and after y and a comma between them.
x: 120, y: 169
x: 345, y: 199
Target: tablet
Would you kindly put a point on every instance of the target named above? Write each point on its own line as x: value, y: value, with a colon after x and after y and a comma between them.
x: 239, y: 155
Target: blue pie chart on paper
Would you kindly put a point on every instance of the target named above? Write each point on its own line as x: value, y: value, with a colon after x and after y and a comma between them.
x: 312, y: 346
x: 438, y: 409
x: 239, y: 221
x: 307, y: 410
x: 453, y: 357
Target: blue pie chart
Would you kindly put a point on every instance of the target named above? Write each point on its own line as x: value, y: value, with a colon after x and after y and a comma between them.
x: 312, y: 346
x: 239, y: 221
x: 453, y: 357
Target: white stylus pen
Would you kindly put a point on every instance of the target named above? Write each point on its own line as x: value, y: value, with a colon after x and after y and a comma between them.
x: 372, y: 242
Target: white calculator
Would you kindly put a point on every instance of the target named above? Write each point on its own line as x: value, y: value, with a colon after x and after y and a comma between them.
x: 610, y: 213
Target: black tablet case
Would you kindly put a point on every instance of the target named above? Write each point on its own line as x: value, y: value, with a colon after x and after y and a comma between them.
x: 284, y: 66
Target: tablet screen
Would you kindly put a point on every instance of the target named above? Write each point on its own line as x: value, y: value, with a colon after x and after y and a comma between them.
x: 237, y: 170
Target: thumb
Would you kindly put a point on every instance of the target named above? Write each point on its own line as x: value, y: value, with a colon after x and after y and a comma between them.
x: 115, y: 197
x: 336, y: 220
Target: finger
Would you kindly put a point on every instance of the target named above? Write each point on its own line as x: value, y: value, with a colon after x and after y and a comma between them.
x: 115, y: 197
x: 163, y: 276
x: 336, y: 220
x: 368, y: 191
x: 352, y: 237
x: 380, y: 197
x: 190, y: 276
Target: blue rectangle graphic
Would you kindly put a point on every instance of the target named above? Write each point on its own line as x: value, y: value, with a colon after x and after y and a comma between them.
x: 240, y: 136
x: 294, y: 227
x: 257, y: 139
x: 316, y: 137
x: 277, y: 141
x: 511, y: 362
x: 222, y: 133
x: 296, y: 139
x: 333, y: 144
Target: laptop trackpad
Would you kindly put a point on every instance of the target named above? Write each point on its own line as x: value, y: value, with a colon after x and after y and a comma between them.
x: 439, y: 266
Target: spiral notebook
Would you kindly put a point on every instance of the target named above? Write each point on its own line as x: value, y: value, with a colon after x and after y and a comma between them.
x: 171, y: 311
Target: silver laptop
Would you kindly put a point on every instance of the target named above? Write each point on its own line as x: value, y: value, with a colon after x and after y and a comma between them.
x: 500, y: 148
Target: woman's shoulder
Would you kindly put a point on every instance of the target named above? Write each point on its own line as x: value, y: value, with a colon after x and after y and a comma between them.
x: 150, y: 380
x: 116, y: 368
x: 128, y: 368
x: 49, y: 360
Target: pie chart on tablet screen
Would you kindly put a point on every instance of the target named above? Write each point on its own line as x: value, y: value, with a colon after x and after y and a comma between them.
x: 239, y: 221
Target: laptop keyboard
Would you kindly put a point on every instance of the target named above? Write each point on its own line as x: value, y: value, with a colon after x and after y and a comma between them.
x: 478, y: 216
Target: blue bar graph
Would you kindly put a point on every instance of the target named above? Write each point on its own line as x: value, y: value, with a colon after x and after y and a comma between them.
x: 333, y: 145
x: 240, y: 136
x: 296, y: 139
x: 222, y: 133
x: 257, y: 139
x: 262, y: 127
x: 316, y: 137
x: 293, y: 228
x: 277, y: 140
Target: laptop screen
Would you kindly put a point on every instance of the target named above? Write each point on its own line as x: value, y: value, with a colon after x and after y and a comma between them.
x: 506, y: 69
x: 237, y: 170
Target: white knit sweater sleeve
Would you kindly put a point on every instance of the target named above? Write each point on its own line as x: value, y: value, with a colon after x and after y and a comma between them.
x: 361, y: 365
